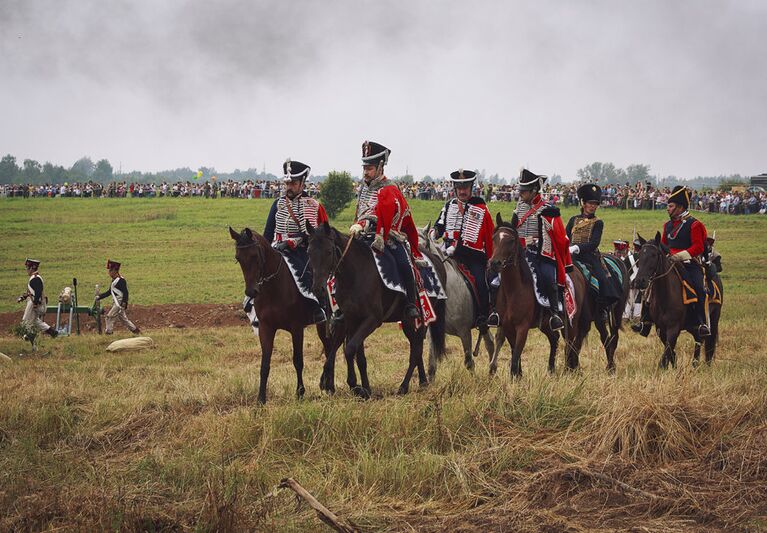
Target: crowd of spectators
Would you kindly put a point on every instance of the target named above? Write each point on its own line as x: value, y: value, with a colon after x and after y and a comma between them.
x: 637, y: 196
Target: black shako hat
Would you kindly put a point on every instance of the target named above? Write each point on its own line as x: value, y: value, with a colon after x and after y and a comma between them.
x: 529, y: 181
x: 463, y: 176
x: 295, y: 170
x: 680, y: 196
x: 113, y: 265
x: 374, y: 153
x: 590, y: 192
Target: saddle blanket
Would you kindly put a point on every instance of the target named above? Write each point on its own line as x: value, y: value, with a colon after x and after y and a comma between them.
x: 297, y: 261
x: 390, y: 275
x: 569, y: 294
x: 593, y: 282
x: 469, y: 280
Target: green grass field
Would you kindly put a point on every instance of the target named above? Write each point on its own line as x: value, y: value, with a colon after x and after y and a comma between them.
x: 172, y: 438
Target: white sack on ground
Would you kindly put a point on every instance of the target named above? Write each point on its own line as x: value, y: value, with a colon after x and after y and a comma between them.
x: 134, y: 343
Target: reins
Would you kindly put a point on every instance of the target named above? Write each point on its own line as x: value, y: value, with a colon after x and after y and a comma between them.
x: 511, y: 260
x: 343, y: 254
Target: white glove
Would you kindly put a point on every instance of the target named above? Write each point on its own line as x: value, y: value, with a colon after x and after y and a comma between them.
x: 449, y: 251
x: 355, y: 230
x: 574, y: 249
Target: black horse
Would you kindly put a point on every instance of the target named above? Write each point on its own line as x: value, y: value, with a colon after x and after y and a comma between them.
x: 366, y: 303
x: 608, y: 331
x: 278, y: 304
x: 661, y: 281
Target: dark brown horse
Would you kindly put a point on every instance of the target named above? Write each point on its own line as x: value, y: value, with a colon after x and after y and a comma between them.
x: 278, y: 304
x: 518, y: 308
x: 365, y: 302
x: 608, y: 331
x: 661, y: 281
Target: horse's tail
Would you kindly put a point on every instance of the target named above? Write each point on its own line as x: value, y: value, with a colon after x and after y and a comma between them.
x: 437, y: 329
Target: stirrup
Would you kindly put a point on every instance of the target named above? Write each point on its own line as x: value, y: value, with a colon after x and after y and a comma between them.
x: 704, y: 331
x: 555, y: 323
x: 494, y: 320
x: 319, y: 316
x: 643, y: 328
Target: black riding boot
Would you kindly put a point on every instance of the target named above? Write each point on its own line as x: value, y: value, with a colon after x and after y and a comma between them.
x: 411, y: 309
x: 555, y: 321
x: 700, y: 313
x: 644, y: 327
x: 493, y: 320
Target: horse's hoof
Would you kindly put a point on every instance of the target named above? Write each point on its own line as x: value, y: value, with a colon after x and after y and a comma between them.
x: 300, y: 393
x: 469, y: 364
x: 361, y: 392
x: 402, y: 390
x: 493, y: 370
x: 611, y: 370
x: 423, y: 384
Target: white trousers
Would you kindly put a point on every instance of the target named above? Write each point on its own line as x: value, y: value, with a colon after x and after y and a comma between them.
x: 33, y: 315
x: 117, y: 313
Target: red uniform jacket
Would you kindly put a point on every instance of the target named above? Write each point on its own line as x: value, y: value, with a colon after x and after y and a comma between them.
x: 393, y: 214
x: 692, y: 239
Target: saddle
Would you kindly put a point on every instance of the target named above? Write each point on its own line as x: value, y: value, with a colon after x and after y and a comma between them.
x: 386, y: 264
x: 613, y: 269
x: 689, y: 296
x: 470, y: 282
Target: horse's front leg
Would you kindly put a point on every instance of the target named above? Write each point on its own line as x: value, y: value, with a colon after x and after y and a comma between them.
x: 553, y: 337
x: 608, y: 336
x: 298, y: 360
x: 520, y: 339
x: 500, y: 338
x: 266, y: 338
x: 354, y: 348
x: 330, y: 342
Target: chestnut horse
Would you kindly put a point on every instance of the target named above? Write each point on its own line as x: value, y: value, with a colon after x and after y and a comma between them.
x: 278, y: 304
x: 518, y: 308
x: 366, y: 304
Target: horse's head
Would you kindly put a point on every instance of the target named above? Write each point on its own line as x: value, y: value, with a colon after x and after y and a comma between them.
x: 428, y: 243
x: 251, y: 255
x: 324, y: 254
x: 650, y: 262
x: 506, y: 247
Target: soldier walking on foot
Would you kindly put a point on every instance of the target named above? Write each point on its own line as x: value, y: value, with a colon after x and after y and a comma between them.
x: 119, y: 292
x: 36, y: 301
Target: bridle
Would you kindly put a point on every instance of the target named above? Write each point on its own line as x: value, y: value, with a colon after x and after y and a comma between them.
x: 512, y: 259
x: 264, y: 279
x: 336, y: 252
x: 658, y: 267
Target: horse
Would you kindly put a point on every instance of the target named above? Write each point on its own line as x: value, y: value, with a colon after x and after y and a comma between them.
x: 517, y: 305
x: 459, y: 310
x: 661, y: 281
x: 278, y: 304
x: 608, y: 332
x: 366, y: 304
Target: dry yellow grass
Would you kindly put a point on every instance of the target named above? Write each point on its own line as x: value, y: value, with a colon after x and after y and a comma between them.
x: 171, y: 439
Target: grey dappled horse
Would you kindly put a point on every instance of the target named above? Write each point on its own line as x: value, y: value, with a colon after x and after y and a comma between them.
x: 459, y: 313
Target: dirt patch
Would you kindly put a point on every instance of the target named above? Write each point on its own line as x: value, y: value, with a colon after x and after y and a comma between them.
x: 154, y: 316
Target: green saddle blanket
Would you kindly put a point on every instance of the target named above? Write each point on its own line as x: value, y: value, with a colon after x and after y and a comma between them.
x: 612, y: 265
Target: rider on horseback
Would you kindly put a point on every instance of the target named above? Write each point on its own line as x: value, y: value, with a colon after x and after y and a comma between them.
x: 686, y: 238
x: 585, y: 234
x: 286, y: 224
x: 543, y: 235
x: 383, y: 214
x: 467, y: 230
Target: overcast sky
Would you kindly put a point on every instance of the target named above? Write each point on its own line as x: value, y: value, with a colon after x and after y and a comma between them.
x: 552, y: 85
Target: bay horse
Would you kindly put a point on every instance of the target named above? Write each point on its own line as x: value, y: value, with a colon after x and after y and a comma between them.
x: 278, y: 304
x: 366, y: 304
x: 608, y: 332
x: 518, y: 308
x: 459, y: 308
x: 661, y: 281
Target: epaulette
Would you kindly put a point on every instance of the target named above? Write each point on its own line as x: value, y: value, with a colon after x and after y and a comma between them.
x: 476, y: 200
x: 550, y: 211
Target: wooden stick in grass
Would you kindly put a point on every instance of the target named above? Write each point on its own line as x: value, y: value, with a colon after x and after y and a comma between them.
x: 324, y: 514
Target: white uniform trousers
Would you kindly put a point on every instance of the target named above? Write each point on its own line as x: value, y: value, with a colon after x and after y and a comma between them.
x: 117, y: 313
x: 33, y: 315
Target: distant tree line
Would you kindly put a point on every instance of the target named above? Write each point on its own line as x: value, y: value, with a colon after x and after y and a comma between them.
x: 102, y: 171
